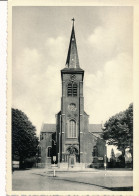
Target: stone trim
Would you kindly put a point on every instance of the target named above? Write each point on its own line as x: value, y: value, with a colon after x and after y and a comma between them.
x: 71, y: 143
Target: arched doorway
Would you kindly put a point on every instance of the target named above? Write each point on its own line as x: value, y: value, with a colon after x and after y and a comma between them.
x: 73, y: 155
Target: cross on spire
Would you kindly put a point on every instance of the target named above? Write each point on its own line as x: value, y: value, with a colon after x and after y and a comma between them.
x: 73, y: 20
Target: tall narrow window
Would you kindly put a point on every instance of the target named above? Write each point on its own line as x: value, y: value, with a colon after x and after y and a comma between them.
x: 95, y: 151
x: 72, y: 129
x: 72, y: 89
x: 49, y: 152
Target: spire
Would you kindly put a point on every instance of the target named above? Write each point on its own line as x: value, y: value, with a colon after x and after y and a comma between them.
x: 72, y: 57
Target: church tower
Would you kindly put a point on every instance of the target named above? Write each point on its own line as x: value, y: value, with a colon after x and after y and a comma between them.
x: 72, y: 106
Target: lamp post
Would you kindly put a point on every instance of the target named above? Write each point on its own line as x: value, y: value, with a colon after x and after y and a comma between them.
x: 54, y: 159
x: 105, y: 158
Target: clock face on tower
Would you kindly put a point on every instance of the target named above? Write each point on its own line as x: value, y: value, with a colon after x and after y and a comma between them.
x: 72, y: 107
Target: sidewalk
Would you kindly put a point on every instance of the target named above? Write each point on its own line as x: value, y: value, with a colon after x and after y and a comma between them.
x: 111, y: 171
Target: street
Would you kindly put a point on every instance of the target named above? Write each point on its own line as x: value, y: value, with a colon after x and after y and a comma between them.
x: 96, y: 180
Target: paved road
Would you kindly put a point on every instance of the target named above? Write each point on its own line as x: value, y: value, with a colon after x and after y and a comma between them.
x: 43, y: 180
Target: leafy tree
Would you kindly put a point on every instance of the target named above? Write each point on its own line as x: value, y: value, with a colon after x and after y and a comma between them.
x: 113, y: 158
x: 112, y: 154
x: 24, y: 139
x: 118, y: 130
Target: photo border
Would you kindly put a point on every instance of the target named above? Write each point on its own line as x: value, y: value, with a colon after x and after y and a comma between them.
x: 135, y: 6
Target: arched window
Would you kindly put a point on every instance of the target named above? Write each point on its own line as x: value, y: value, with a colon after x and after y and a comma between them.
x: 72, y: 129
x: 49, y: 152
x: 41, y: 137
x: 72, y: 89
x: 95, y: 151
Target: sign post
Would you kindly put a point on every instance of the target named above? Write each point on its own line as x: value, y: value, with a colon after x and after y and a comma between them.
x: 105, y: 163
x: 54, y: 159
x: 105, y: 157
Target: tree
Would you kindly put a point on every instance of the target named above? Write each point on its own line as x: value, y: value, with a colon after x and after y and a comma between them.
x: 112, y: 159
x: 118, y: 130
x: 24, y: 139
x: 112, y: 155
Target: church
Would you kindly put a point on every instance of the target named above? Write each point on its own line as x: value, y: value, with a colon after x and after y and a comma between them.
x: 72, y: 141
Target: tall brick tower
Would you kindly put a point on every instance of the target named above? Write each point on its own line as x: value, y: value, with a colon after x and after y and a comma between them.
x: 72, y: 106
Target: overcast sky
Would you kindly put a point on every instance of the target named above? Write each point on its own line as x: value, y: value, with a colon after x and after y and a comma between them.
x: 40, y: 44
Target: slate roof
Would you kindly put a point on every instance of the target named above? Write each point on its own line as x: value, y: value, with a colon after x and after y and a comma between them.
x: 99, y: 135
x: 72, y: 57
x: 95, y: 128
x: 49, y: 128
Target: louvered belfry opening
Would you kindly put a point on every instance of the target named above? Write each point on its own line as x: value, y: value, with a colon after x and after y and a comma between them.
x: 72, y: 89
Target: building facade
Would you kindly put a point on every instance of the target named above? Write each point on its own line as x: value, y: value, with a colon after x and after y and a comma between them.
x: 72, y: 140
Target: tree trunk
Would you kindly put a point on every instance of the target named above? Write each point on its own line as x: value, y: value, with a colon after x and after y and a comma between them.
x: 21, y: 163
x: 123, y: 155
x: 131, y: 151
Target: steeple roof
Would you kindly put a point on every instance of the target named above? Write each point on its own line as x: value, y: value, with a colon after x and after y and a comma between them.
x: 72, y: 57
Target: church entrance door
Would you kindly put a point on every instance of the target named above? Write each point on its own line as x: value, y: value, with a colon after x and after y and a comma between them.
x: 73, y: 155
x: 72, y: 160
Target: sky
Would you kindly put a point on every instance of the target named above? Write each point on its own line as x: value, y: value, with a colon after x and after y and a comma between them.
x: 40, y: 44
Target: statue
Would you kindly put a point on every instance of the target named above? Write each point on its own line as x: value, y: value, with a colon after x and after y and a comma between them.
x: 71, y: 149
